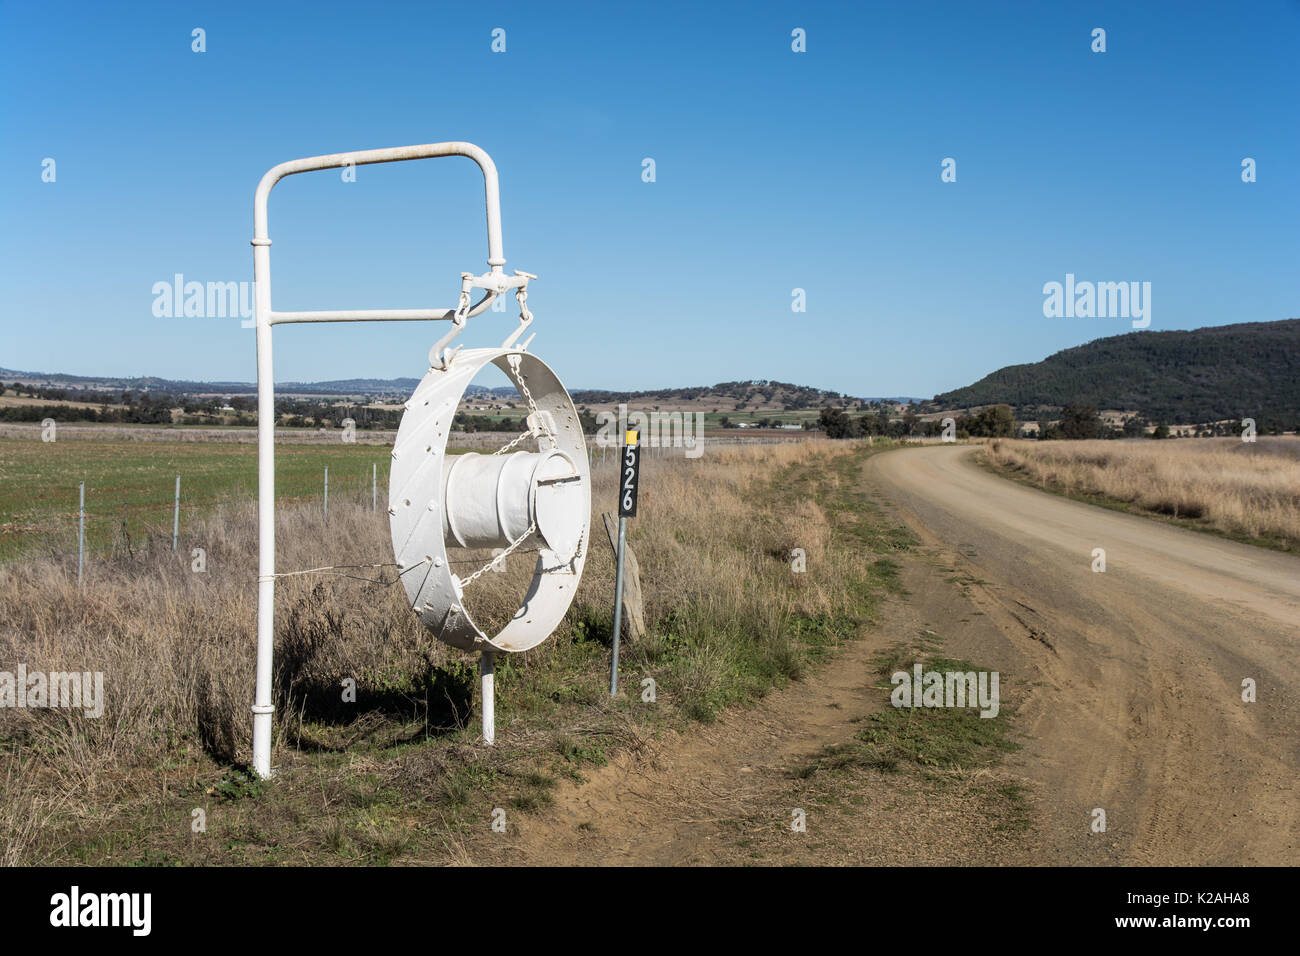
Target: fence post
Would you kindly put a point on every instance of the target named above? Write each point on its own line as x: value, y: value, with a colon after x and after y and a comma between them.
x: 327, y: 492
x: 176, y: 514
x: 374, y: 486
x: 81, y: 533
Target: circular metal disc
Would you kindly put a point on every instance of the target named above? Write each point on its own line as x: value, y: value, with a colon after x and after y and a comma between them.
x: 415, y: 497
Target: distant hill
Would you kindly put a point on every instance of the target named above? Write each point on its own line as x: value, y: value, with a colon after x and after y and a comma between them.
x: 751, y: 394
x: 1249, y: 370
x: 754, y: 394
x: 343, y: 387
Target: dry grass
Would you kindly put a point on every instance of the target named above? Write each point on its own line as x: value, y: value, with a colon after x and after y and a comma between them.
x: 727, y: 619
x: 1240, y: 489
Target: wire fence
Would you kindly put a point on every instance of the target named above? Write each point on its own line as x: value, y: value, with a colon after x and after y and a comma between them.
x: 102, y: 517
x: 93, y: 520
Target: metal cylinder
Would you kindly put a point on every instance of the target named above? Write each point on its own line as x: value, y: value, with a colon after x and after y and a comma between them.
x: 490, y: 501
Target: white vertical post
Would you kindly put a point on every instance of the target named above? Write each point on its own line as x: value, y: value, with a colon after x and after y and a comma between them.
x: 176, y: 514
x: 81, y: 533
x: 327, y: 492
x: 374, y: 486
x: 487, y: 678
x: 262, y: 706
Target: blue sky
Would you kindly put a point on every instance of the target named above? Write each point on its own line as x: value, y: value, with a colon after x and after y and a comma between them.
x: 775, y: 170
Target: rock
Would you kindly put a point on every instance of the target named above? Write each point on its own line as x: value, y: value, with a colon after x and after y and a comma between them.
x: 633, y: 627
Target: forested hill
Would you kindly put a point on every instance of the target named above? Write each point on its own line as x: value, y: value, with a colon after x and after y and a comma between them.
x: 1250, y: 370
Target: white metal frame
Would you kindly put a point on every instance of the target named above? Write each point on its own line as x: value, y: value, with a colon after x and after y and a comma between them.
x: 493, y: 283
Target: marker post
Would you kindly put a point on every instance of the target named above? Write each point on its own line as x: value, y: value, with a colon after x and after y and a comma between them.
x: 629, y: 473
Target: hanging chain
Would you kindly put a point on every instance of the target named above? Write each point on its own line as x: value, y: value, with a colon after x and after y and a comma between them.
x: 500, y: 558
x: 538, y: 428
x: 534, y: 412
x: 505, y: 448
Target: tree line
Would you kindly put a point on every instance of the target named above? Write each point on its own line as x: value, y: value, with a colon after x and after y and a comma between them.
x: 1078, y: 421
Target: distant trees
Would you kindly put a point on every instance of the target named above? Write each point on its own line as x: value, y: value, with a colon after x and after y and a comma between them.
x: 1135, y: 427
x: 875, y: 421
x: 877, y: 424
x: 145, y: 411
x: 466, y: 422
x: 37, y: 413
x: 836, y: 424
x: 996, y: 421
x: 307, y: 413
x: 1081, y: 422
x: 739, y: 395
x: 1078, y: 422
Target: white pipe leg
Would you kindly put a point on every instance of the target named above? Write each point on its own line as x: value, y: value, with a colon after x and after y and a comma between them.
x: 487, y: 675
x: 262, y: 707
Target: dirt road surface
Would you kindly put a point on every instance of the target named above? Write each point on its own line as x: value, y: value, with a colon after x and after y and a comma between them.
x: 1138, y: 709
x: 1127, y: 685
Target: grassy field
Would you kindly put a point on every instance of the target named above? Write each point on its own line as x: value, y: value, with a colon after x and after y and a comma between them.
x: 397, y: 775
x: 1246, y: 491
x: 130, y: 486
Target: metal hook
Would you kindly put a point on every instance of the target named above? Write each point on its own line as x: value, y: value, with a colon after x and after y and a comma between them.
x: 439, y: 356
x: 514, y: 336
x: 525, y: 316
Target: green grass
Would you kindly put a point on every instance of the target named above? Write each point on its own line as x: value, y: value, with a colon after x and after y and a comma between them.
x: 794, y: 417
x: 930, y: 738
x: 130, y: 486
x: 938, y: 745
x: 950, y: 754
